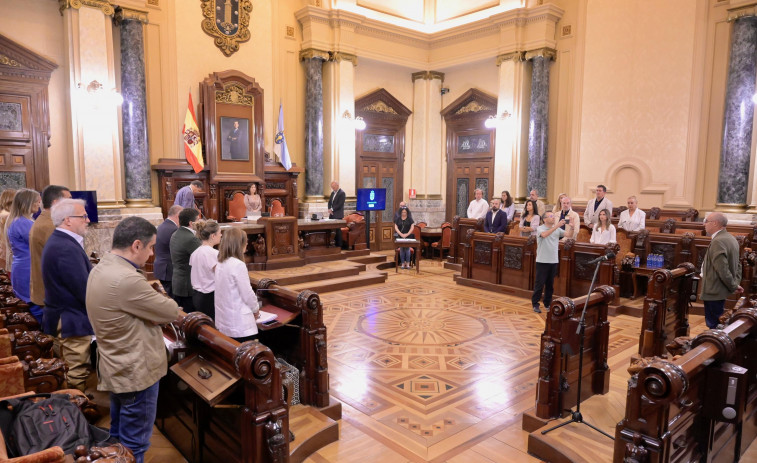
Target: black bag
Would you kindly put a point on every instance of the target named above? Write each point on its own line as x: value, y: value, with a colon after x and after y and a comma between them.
x: 31, y: 427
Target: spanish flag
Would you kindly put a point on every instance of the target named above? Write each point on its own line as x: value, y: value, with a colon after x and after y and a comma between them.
x: 191, y: 135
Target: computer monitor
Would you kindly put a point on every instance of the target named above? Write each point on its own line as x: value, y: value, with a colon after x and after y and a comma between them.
x: 371, y: 199
x: 90, y: 197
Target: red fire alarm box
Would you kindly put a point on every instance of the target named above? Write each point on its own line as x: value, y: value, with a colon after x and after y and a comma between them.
x: 411, y: 193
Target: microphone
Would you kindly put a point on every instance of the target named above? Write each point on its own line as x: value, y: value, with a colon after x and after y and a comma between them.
x: 608, y: 256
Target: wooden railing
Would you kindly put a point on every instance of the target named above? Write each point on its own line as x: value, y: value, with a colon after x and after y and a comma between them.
x: 556, y: 389
x: 460, y: 227
x: 666, y: 309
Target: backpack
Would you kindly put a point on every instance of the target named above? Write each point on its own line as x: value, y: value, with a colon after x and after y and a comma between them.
x: 31, y: 427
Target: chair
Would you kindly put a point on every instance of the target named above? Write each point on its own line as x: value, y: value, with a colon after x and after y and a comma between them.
x: 353, y: 234
x: 11, y: 376
x: 584, y: 235
x: 236, y: 209
x: 444, y: 243
x: 277, y: 210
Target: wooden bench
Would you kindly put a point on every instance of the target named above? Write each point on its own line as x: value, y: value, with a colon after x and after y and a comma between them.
x: 684, y: 410
x: 666, y: 309
x: 460, y: 227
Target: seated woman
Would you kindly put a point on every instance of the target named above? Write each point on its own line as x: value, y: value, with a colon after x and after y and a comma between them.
x: 604, y: 230
x: 236, y: 303
x: 252, y: 201
x: 529, y: 219
x: 403, y: 227
x: 17, y: 227
x: 633, y: 218
x: 203, y: 263
x: 508, y: 206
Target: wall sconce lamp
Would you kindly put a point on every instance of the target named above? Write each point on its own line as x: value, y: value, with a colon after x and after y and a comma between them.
x: 97, y: 93
x: 358, y: 122
x: 492, y: 121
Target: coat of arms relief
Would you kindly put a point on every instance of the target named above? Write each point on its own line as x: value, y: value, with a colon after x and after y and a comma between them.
x: 228, y: 21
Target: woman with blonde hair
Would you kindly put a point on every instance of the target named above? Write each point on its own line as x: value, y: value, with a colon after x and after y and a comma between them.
x: 236, y: 303
x: 604, y: 230
x: 6, y: 200
x: 202, y: 262
x: 17, y: 227
x: 558, y: 205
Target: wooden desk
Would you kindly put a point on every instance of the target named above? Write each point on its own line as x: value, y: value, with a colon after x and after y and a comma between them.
x: 410, y: 244
x: 283, y: 316
x: 430, y: 235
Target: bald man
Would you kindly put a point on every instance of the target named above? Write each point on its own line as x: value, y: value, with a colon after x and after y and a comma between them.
x: 721, y: 269
x: 336, y: 209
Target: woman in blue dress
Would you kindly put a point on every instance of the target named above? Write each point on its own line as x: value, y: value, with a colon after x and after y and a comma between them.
x: 17, y: 227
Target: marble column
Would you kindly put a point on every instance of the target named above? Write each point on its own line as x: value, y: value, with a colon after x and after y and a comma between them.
x: 134, y: 108
x: 511, y: 149
x: 95, y: 136
x: 427, y: 156
x: 314, y: 60
x: 539, y: 119
x: 739, y: 115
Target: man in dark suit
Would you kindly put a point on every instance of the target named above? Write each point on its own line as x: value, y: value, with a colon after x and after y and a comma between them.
x: 721, y: 269
x: 65, y: 269
x: 162, y: 267
x: 336, y: 208
x: 183, y: 243
x: 495, y: 220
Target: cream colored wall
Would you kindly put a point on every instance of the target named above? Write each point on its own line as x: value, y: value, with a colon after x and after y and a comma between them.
x: 371, y: 75
x: 38, y: 26
x: 637, y: 100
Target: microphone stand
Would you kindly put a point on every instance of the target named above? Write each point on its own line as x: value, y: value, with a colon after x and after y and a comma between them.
x: 576, y: 416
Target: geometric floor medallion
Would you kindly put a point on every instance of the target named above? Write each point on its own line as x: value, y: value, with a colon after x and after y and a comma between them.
x: 422, y: 327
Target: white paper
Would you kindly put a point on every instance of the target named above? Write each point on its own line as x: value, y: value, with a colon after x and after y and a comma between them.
x: 266, y: 316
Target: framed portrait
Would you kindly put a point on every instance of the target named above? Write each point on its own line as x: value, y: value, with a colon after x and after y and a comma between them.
x: 235, y: 139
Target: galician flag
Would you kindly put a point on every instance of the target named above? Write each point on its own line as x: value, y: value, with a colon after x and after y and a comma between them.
x: 191, y: 135
x: 280, y: 148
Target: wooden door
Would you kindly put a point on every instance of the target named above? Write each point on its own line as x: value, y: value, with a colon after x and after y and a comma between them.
x: 380, y: 153
x: 470, y: 151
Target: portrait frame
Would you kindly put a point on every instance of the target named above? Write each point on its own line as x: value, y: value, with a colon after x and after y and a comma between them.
x: 235, y: 139
x: 226, y: 97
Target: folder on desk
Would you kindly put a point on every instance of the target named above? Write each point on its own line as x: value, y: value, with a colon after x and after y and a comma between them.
x: 266, y: 317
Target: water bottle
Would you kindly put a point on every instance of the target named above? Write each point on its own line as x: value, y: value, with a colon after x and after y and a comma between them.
x: 654, y: 261
x: 636, y: 261
x: 651, y: 261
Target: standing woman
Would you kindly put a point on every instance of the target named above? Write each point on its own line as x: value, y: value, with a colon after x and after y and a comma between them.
x: 203, y: 263
x: 558, y: 205
x: 529, y: 219
x: 403, y: 227
x: 6, y: 200
x: 252, y: 201
x: 508, y: 206
x: 236, y: 303
x: 17, y: 227
x: 604, y: 230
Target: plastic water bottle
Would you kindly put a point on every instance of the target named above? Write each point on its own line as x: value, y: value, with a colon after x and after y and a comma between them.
x: 636, y: 261
x: 656, y: 261
x: 651, y: 261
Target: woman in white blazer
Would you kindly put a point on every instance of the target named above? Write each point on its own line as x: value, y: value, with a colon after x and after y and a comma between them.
x: 236, y: 303
x: 633, y: 218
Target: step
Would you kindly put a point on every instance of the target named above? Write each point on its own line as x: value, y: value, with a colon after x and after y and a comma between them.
x: 340, y: 284
x: 325, y: 273
x: 312, y: 431
x: 369, y: 259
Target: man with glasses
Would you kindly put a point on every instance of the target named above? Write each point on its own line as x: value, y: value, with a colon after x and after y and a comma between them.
x: 65, y: 269
x: 721, y: 269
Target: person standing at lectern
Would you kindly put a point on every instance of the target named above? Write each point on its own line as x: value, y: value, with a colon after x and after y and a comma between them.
x: 721, y: 269
x: 336, y: 209
x: 185, y: 197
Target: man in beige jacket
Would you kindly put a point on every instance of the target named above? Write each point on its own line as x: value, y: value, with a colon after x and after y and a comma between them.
x: 125, y: 312
x: 572, y: 222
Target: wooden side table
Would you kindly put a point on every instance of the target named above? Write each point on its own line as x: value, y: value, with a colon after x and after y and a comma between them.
x: 416, y: 244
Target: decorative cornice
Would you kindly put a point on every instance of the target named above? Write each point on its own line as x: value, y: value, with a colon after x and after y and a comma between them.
x: 338, y: 56
x: 514, y: 56
x: 741, y: 12
x: 474, y: 107
x: 545, y: 52
x: 125, y: 14
x: 103, y: 5
x: 427, y: 75
x: 310, y: 53
x: 380, y: 107
x: 4, y: 60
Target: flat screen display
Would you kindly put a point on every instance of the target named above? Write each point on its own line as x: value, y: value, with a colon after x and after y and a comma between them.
x: 371, y: 199
x: 90, y: 196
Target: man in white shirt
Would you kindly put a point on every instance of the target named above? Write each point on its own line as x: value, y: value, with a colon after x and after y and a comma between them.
x: 591, y: 214
x: 478, y: 207
x: 534, y: 196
